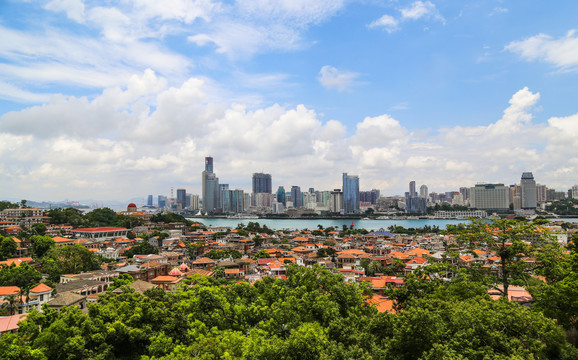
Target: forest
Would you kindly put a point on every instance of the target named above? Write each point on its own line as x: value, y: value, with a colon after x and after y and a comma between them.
x: 313, y: 314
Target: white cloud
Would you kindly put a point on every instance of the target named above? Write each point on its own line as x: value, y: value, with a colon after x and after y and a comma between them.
x: 74, y: 9
x: 421, y: 9
x: 147, y: 136
x: 416, y: 11
x: 332, y: 78
x: 386, y: 21
x: 562, y: 53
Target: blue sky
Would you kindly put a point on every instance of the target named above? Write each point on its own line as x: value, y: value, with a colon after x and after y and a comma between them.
x: 119, y: 99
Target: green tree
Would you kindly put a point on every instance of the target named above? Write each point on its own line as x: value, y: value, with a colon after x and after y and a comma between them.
x: 102, y: 217
x: 144, y: 248
x: 69, y: 259
x: 41, y: 245
x: 261, y: 254
x: 24, y: 276
x: 39, y: 229
x: 8, y: 247
x: 66, y: 216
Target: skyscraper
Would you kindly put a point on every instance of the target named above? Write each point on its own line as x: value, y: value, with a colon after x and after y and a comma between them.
x: 150, y: 200
x: 210, y: 183
x: 412, y: 192
x: 261, y: 183
x: 528, y: 191
x: 350, y: 194
x: 423, y: 191
x: 281, y: 195
x: 181, y: 198
x: 296, y: 196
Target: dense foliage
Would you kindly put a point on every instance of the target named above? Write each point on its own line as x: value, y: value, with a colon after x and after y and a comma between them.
x: 8, y: 247
x: 563, y: 207
x: 70, y: 259
x: 143, y: 248
x: 311, y: 315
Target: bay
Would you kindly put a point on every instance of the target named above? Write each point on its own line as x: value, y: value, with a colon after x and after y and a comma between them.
x: 312, y: 224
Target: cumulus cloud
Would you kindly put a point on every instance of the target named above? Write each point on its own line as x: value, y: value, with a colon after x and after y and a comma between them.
x: 415, y: 11
x: 388, y: 22
x: 562, y: 52
x: 146, y: 136
x: 332, y: 78
x: 421, y: 9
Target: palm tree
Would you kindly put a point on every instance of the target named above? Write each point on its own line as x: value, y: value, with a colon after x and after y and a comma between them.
x: 11, y: 305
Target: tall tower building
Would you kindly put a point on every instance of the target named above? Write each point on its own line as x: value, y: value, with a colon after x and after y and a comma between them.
x: 423, y: 191
x: 412, y: 192
x: 150, y: 200
x: 210, y: 183
x: 181, y: 198
x: 350, y: 194
x: 528, y: 191
x: 296, y: 196
x: 261, y: 183
x: 281, y: 195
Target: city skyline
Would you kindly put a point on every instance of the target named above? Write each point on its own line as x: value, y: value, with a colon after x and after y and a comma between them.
x: 116, y: 100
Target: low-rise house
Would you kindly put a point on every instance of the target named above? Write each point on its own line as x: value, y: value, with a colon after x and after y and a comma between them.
x: 68, y: 299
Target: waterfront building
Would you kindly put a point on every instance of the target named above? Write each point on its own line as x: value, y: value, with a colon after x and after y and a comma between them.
x: 350, y: 194
x: 489, y: 197
x: 296, y: 196
x: 423, y: 191
x: 336, y: 201
x: 528, y: 191
x: 182, y: 199
x: 162, y: 201
x: 210, y: 187
x: 281, y: 195
x: 222, y: 188
x: 412, y: 192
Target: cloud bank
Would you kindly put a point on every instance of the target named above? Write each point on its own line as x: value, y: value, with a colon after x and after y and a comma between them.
x: 146, y: 136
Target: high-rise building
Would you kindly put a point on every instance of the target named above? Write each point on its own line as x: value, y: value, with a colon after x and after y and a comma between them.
x: 162, y: 201
x: 181, y: 198
x: 210, y: 184
x: 489, y: 197
x: 528, y: 191
x: 222, y: 188
x: 423, y: 191
x: 281, y: 195
x: 574, y: 191
x: 193, y: 200
x: 412, y: 192
x: 350, y: 194
x: 297, y: 196
x: 541, y: 193
x: 261, y: 183
x: 336, y: 201
x: 150, y: 200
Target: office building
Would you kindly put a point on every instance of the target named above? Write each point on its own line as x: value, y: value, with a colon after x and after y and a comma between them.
x: 210, y: 187
x: 412, y: 192
x: 150, y: 200
x: 262, y: 183
x: 162, y: 202
x: 336, y: 201
x: 281, y: 195
x: 489, y: 197
x: 528, y: 191
x: 423, y: 191
x: 350, y: 194
x: 181, y: 199
x: 296, y: 196
x: 222, y: 188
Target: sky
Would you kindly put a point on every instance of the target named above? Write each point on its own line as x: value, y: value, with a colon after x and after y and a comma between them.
x: 113, y: 100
